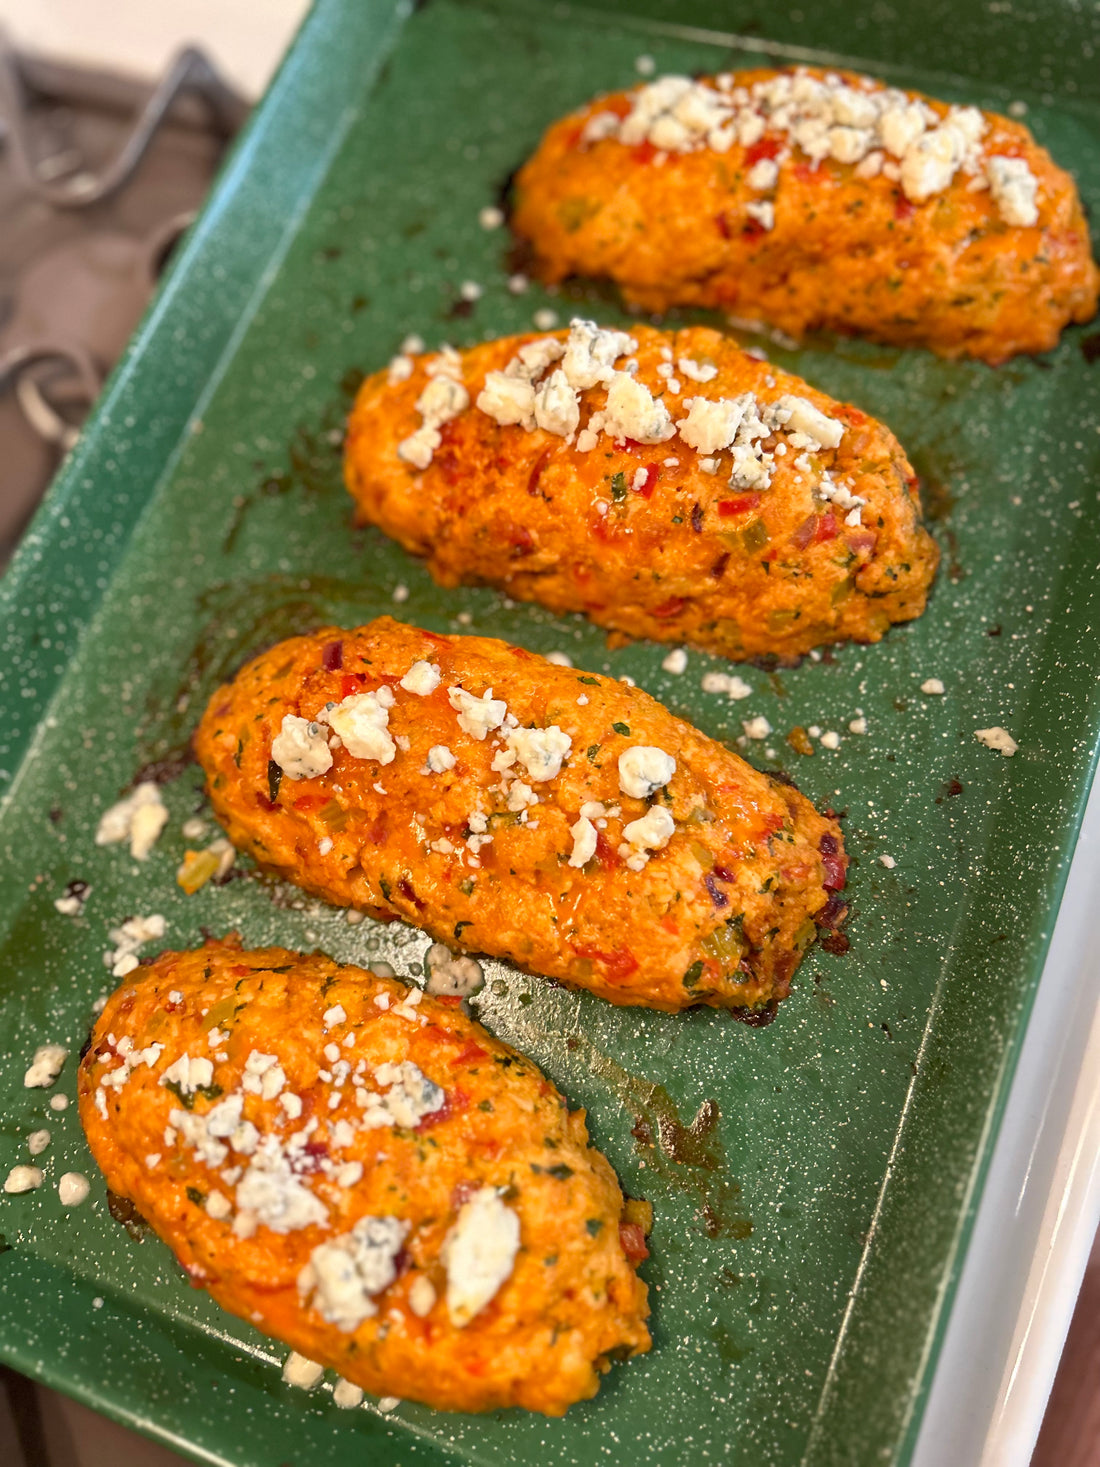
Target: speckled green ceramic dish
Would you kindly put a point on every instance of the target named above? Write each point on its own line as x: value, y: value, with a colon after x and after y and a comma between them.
x: 810, y: 1224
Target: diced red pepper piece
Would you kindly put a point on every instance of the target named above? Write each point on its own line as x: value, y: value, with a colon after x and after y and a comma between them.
x: 805, y: 532
x: 740, y: 505
x: 332, y: 656
x: 617, y: 965
x: 672, y: 607
x: 645, y: 152
x: 764, y: 147
x: 836, y: 867
x: 827, y: 528
x: 311, y: 802
x: 860, y: 540
x: 471, y: 1050
x: 903, y: 209
x: 634, y: 1244
x: 350, y: 683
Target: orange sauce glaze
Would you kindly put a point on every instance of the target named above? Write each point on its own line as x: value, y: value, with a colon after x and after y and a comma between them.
x: 846, y: 253
x: 720, y: 916
x: 685, y: 557
x: 572, y: 1296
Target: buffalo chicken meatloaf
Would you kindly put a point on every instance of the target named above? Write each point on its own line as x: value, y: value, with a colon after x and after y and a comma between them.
x: 366, y: 1174
x: 668, y: 484
x: 806, y: 199
x: 563, y: 821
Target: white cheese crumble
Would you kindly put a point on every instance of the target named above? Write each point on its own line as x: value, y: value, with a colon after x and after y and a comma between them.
x: 723, y: 682
x: 584, y: 842
x: 440, y: 759
x: 998, y: 739
x: 633, y: 412
x: 139, y: 818
x: 878, y: 129
x: 540, y: 751
x: 756, y: 728
x: 451, y: 975
x: 300, y: 1372
x: 591, y: 352
x: 888, y: 862
x: 300, y: 748
x: 73, y: 1189
x: 477, y: 716
x: 271, y: 1194
x: 1014, y: 188
x: 422, y: 1296
x: 651, y: 833
x: 556, y: 406
x: 37, y: 1142
x: 422, y: 678
x: 46, y: 1066
x: 559, y: 659
x: 343, y: 1276
x: 479, y: 1254
x: 347, y: 1396
x: 676, y: 661
x: 643, y: 770
x: 23, y: 1179
x: 545, y: 319
x: 933, y: 686
x: 189, y: 1075
x: 333, y: 1016
x: 59, y: 1102
x: 133, y: 934
x: 442, y: 399
x: 410, y: 1095
x: 490, y: 217
x: 858, y: 725
x: 830, y: 740
x: 361, y: 722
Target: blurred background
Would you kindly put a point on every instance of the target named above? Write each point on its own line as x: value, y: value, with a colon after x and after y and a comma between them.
x: 114, y: 117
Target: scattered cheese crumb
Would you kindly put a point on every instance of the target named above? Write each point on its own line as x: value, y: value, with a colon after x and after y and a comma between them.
x: 933, y: 686
x: 46, y: 1066
x: 858, y: 725
x: 559, y: 659
x: 451, y: 975
x: 997, y: 738
x: 676, y: 661
x: 830, y: 740
x: 37, y: 1142
x: 756, y: 728
x: 344, y: 1394
x: 300, y: 748
x: 888, y: 862
x: 139, y: 818
x: 490, y: 217
x: 23, y: 1179
x: 545, y: 319
x: 300, y: 1372
x: 400, y: 593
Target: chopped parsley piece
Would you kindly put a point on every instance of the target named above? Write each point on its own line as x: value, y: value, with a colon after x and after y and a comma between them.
x: 618, y: 487
x: 594, y: 1226
x: 622, y: 728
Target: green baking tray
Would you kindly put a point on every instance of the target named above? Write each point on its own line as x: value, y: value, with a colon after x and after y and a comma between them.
x: 814, y: 1181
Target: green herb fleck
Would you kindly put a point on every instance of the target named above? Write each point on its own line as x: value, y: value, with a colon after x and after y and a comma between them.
x: 197, y: 1197
x: 274, y: 779
x: 622, y: 728
x: 694, y: 973
x: 594, y: 1226
x: 561, y: 1172
x: 593, y: 682
x: 618, y: 487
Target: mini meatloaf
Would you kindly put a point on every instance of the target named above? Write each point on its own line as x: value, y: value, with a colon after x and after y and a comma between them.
x: 366, y: 1174
x: 668, y: 484
x: 508, y: 806
x: 803, y: 199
